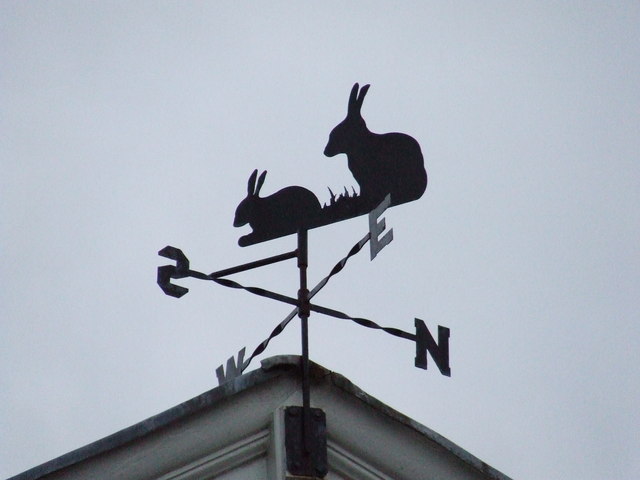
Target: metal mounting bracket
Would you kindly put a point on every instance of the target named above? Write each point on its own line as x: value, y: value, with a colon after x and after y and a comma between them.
x: 300, y: 462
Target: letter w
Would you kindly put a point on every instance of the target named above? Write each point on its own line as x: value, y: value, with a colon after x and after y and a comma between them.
x: 233, y: 370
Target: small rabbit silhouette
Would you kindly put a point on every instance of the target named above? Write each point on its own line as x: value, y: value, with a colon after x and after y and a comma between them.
x: 279, y: 214
x: 382, y: 164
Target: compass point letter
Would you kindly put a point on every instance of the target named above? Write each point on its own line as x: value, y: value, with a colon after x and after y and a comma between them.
x: 439, y: 351
x: 376, y: 228
x: 233, y: 370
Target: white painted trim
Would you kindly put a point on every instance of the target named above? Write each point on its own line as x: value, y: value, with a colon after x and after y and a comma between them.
x: 276, y: 459
x: 223, y: 460
x: 347, y: 465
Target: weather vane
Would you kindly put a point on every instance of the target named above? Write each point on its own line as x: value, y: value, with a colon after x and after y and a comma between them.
x: 389, y: 169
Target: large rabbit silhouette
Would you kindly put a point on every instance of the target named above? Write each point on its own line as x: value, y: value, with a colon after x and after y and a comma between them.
x: 382, y: 164
x: 279, y: 214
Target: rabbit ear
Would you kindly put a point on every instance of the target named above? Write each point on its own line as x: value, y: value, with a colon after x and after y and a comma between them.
x: 363, y: 92
x: 353, y: 99
x: 260, y: 181
x: 252, y: 182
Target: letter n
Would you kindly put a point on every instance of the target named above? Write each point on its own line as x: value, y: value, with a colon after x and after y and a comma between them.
x: 439, y: 351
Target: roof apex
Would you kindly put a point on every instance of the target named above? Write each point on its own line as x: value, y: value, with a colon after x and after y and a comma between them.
x: 271, y: 369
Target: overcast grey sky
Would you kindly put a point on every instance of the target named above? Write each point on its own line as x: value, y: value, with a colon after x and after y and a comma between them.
x: 128, y: 126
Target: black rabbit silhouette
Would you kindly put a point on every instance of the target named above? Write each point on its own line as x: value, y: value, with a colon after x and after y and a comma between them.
x: 279, y: 214
x: 382, y: 164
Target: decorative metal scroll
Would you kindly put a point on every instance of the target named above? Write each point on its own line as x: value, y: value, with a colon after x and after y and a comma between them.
x: 389, y: 164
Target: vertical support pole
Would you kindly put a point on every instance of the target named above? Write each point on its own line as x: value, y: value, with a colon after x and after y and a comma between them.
x: 303, y: 313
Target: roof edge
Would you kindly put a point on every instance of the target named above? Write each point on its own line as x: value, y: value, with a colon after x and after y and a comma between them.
x: 158, y: 421
x: 270, y: 368
x: 346, y: 385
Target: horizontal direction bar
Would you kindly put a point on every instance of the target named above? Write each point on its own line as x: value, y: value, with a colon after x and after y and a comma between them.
x: 256, y: 264
x: 363, y: 322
